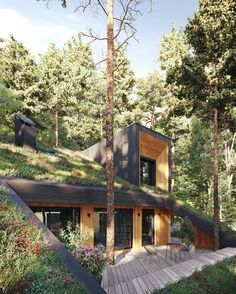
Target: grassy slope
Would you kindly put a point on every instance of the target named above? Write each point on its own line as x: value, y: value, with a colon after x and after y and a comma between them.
x: 217, y: 279
x: 27, y: 265
x: 65, y: 166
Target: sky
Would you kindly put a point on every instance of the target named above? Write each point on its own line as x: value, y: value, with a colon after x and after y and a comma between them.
x: 37, y: 25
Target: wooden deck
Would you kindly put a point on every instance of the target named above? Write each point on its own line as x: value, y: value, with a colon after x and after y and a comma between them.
x: 137, y: 273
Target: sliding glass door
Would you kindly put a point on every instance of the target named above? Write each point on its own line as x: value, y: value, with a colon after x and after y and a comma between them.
x: 123, y: 227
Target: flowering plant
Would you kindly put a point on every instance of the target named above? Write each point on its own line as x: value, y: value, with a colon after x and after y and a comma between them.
x: 93, y: 259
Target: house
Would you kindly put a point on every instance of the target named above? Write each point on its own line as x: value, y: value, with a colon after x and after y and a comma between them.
x: 141, y: 156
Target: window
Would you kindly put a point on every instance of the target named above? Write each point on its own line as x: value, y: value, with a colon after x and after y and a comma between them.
x: 123, y: 227
x: 147, y: 227
x: 100, y: 226
x: 56, y: 218
x: 147, y: 171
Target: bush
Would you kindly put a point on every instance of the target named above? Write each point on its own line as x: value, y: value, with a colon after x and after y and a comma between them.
x: 72, y: 237
x: 187, y: 231
x: 93, y: 259
x: 27, y: 265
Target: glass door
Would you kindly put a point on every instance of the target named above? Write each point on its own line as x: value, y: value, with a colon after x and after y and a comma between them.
x: 123, y: 228
x: 147, y: 227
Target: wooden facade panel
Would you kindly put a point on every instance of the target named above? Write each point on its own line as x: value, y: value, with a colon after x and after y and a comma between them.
x: 162, y: 226
x: 157, y: 150
x: 137, y: 227
x: 162, y: 166
x: 87, y: 222
x: 203, y: 240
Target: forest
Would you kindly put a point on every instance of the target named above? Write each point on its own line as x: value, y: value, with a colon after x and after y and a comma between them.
x: 64, y: 92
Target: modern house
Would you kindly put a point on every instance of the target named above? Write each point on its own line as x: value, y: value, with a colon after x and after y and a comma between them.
x: 141, y: 156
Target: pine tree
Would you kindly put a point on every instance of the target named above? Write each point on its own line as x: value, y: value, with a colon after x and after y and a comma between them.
x: 20, y: 73
x: 151, y: 93
x: 82, y: 92
x: 52, y: 80
x: 203, y: 78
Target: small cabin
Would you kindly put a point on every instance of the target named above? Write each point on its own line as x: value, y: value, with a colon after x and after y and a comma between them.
x: 141, y: 156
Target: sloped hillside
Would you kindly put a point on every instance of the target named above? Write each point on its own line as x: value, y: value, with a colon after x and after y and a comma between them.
x: 65, y: 166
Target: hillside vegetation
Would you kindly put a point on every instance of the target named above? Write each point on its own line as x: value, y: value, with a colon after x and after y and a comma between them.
x: 27, y: 264
x: 64, y: 166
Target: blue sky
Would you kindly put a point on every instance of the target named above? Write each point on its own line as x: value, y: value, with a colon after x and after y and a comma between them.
x: 36, y: 26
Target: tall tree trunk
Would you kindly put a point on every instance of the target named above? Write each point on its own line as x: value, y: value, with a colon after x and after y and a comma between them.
x: 56, y: 129
x: 109, y: 132
x: 216, y: 196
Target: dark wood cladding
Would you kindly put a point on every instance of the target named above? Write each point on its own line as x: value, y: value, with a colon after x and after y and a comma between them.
x: 126, y: 152
x: 62, y: 193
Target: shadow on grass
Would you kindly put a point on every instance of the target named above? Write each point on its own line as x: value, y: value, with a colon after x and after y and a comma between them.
x: 17, y: 164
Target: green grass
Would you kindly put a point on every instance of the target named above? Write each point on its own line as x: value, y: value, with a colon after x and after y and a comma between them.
x: 27, y: 265
x: 216, y: 279
x: 64, y: 166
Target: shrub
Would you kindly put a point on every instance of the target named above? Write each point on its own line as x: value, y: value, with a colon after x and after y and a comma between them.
x: 27, y: 265
x: 187, y: 231
x: 72, y: 237
x: 93, y: 259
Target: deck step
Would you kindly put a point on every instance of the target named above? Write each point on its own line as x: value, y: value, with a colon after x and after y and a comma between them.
x: 144, y: 281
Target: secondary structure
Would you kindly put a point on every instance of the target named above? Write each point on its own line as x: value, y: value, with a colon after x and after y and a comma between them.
x: 141, y: 156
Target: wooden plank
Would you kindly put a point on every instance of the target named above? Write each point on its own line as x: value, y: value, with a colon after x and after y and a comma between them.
x: 172, y: 274
x: 123, y: 272
x: 217, y: 257
x: 131, y: 287
x: 110, y: 277
x: 115, y: 277
x: 179, y: 271
x: 153, y: 281
x: 225, y: 252
x: 148, y: 283
x: 157, y: 279
x: 139, y: 269
x: 143, y: 285
x: 206, y: 258
x: 186, y: 272
x: 130, y: 272
x: 137, y: 286
x: 124, y: 288
x: 105, y: 279
x: 111, y: 290
x: 120, y: 278
x: 118, y: 289
x: 161, y: 279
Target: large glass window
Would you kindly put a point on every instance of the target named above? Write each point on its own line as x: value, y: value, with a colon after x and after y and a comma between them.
x: 123, y: 227
x: 56, y: 218
x: 147, y: 171
x: 147, y: 227
x: 100, y: 226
